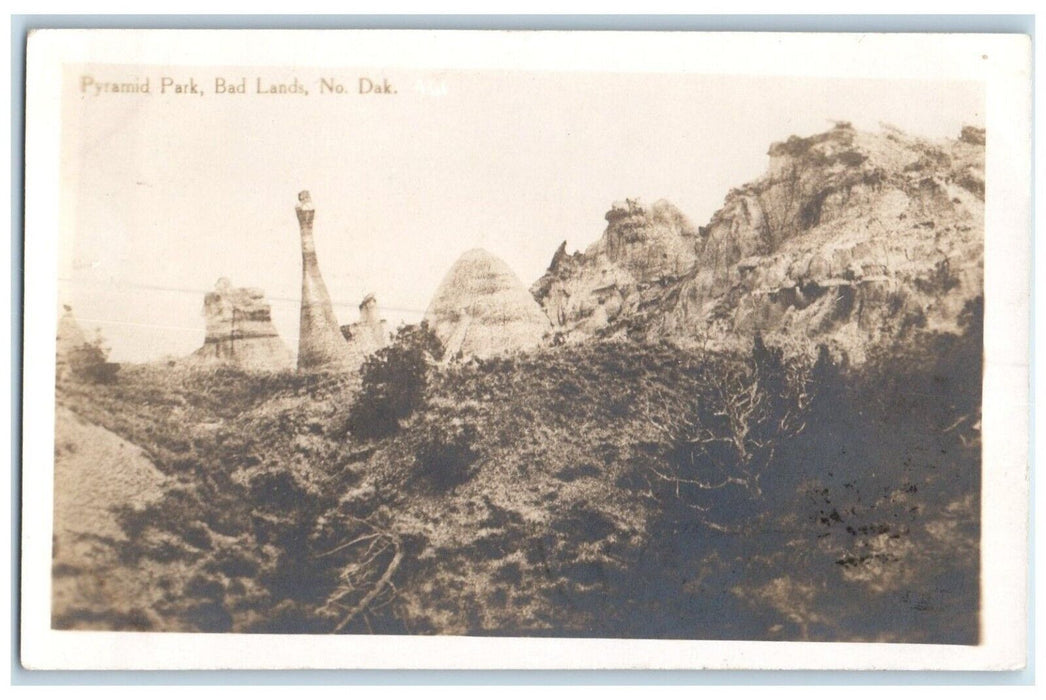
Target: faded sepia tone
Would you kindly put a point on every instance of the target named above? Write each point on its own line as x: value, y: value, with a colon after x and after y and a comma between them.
x: 520, y: 354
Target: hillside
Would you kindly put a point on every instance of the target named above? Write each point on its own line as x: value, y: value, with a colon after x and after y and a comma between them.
x: 563, y: 492
x: 90, y: 587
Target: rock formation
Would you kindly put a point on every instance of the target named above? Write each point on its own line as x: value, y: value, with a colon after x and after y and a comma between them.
x: 370, y: 333
x: 240, y: 330
x: 69, y: 339
x: 320, y: 342
x: 482, y: 308
x: 584, y: 291
x: 850, y: 239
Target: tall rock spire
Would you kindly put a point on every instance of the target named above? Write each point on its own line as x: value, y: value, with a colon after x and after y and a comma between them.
x: 320, y: 342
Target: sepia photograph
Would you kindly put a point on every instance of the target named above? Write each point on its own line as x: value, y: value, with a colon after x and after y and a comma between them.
x: 422, y: 348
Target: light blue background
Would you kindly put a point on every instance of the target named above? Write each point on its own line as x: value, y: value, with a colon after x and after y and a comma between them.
x: 22, y: 24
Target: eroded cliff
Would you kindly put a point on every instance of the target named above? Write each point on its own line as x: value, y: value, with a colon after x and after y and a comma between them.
x: 850, y: 239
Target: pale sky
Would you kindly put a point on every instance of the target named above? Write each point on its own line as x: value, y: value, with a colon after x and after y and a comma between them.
x: 162, y: 195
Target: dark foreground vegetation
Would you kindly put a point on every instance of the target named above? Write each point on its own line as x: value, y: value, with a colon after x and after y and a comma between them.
x: 613, y: 489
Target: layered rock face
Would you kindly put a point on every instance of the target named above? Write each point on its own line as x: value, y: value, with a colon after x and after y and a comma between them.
x: 240, y: 330
x: 482, y: 308
x: 320, y: 342
x: 583, y: 292
x: 371, y: 332
x: 850, y: 239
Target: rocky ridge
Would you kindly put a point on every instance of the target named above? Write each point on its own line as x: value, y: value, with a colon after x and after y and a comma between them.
x: 850, y: 239
x: 641, y: 245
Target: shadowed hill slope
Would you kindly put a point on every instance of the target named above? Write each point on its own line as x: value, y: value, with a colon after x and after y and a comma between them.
x: 570, y: 491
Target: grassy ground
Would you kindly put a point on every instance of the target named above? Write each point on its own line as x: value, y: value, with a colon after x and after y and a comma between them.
x: 524, y: 498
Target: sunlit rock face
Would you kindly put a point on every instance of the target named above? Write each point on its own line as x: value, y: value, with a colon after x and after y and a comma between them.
x: 481, y: 308
x: 240, y: 330
x: 582, y: 293
x: 850, y: 239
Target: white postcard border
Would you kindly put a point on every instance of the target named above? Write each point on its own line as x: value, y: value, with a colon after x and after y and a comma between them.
x: 1002, y: 62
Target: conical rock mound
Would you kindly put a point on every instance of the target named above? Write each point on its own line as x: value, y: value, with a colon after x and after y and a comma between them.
x: 482, y: 308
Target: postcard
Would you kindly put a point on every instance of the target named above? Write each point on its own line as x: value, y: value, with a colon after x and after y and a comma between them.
x: 426, y: 349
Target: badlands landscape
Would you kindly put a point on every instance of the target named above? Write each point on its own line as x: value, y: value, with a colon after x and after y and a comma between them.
x: 765, y: 426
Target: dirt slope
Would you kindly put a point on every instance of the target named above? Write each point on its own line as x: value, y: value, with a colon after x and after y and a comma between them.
x: 97, y: 472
